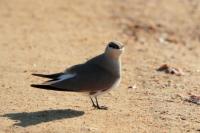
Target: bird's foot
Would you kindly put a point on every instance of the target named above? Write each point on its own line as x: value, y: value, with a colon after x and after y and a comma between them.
x: 96, y: 106
x: 100, y: 107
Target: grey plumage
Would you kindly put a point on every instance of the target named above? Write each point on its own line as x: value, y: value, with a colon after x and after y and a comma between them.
x: 94, y: 77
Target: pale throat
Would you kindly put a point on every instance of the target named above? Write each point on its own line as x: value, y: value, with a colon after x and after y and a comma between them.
x: 114, y: 61
x: 116, y: 66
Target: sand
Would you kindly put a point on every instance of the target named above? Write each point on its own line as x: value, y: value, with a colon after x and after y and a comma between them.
x: 48, y: 36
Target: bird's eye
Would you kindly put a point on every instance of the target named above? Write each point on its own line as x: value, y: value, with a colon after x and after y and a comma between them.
x: 113, y: 45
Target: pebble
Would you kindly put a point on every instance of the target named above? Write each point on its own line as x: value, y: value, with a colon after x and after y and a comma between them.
x: 132, y: 87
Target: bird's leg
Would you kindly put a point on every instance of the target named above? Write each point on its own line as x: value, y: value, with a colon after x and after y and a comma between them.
x: 94, y: 105
x: 100, y: 107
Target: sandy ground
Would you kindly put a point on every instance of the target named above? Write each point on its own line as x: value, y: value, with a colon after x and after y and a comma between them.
x: 48, y: 36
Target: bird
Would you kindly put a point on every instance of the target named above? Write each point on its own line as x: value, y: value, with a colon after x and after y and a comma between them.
x: 94, y: 77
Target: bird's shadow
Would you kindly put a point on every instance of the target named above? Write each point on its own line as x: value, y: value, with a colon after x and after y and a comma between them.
x: 32, y: 118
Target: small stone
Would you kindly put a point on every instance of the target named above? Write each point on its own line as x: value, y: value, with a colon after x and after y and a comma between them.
x: 194, y: 99
x: 183, y: 118
x: 161, y: 40
x: 163, y: 112
x: 171, y: 70
x: 132, y: 87
x: 124, y: 69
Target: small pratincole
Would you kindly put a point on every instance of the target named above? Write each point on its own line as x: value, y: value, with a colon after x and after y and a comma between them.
x: 94, y: 77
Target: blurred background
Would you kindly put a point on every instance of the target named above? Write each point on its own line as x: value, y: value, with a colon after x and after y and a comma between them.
x: 48, y: 36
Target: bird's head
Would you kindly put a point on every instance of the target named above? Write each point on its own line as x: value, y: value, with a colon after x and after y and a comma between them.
x: 114, y: 49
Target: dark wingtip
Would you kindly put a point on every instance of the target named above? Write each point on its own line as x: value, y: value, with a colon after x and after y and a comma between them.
x: 40, y: 75
x: 51, y: 76
x: 36, y: 74
x: 36, y: 85
x: 40, y: 86
x: 46, y: 87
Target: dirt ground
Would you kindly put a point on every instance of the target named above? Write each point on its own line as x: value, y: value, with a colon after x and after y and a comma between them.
x: 48, y: 35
